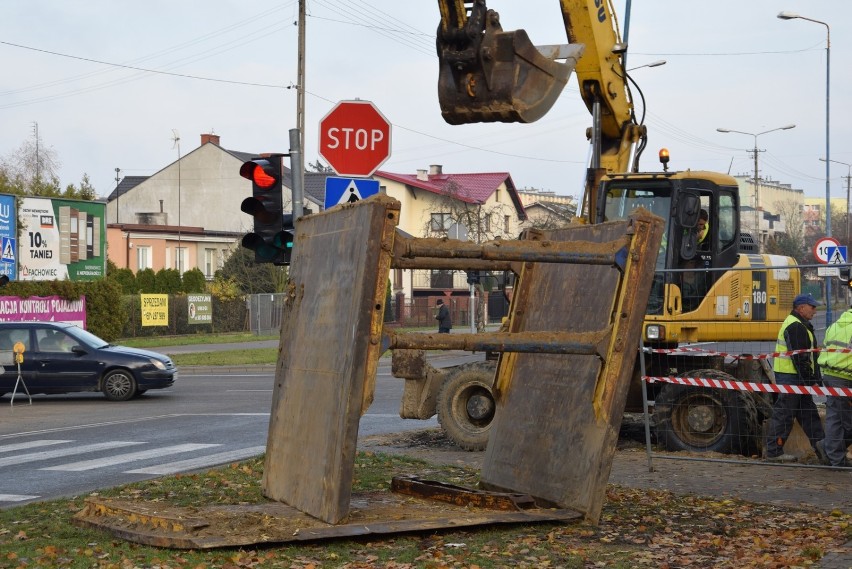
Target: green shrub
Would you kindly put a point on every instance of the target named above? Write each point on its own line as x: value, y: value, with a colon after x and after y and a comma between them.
x: 194, y: 281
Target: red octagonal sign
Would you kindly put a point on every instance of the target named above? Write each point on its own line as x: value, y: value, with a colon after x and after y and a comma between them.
x: 355, y: 138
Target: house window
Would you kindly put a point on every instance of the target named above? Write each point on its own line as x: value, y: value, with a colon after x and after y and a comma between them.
x: 209, y: 262
x: 143, y: 258
x: 441, y: 279
x: 441, y: 222
x: 181, y: 255
x: 506, y: 221
x: 487, y: 223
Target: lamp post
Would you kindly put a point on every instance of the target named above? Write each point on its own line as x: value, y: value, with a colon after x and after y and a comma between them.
x: 657, y: 63
x: 794, y: 16
x: 756, y: 183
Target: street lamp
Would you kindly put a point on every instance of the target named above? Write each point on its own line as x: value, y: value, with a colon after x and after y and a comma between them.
x: 756, y: 185
x: 794, y: 16
x: 657, y: 63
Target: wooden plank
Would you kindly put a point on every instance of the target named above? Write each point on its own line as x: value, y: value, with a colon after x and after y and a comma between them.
x: 328, y: 356
x: 558, y: 416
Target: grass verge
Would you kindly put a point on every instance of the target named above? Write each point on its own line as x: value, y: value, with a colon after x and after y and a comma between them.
x: 638, y: 528
x: 192, y: 340
x: 258, y: 356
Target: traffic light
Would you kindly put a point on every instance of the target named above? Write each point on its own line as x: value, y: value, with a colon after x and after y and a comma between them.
x: 272, y: 238
x: 473, y: 277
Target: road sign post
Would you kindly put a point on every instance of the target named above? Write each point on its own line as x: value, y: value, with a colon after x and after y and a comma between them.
x: 355, y: 138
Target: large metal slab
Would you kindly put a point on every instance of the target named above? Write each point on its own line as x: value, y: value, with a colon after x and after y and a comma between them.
x: 207, y: 527
x: 329, y: 351
x: 558, y: 416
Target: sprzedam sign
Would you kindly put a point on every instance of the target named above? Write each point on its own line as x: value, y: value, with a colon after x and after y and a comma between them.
x: 155, y: 309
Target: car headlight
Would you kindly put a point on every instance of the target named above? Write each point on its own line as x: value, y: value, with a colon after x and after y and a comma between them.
x: 158, y: 364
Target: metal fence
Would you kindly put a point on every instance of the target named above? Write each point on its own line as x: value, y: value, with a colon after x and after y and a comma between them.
x: 707, y: 382
x: 265, y: 313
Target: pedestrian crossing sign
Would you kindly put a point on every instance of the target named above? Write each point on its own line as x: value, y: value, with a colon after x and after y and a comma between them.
x: 348, y: 190
x: 7, y: 250
x: 836, y: 255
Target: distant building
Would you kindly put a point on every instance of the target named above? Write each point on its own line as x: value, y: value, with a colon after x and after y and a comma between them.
x: 187, y: 215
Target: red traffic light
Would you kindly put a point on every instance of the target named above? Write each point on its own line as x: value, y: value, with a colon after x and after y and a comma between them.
x: 261, y: 172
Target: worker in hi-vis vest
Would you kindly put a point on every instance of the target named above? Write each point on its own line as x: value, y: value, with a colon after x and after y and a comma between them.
x: 796, y: 333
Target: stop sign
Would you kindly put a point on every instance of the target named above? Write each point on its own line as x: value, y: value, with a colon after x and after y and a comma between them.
x: 354, y: 138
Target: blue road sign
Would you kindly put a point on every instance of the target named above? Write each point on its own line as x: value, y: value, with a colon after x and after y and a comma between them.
x: 347, y: 190
x: 836, y: 255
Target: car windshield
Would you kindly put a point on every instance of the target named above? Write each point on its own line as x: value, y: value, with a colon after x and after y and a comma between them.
x: 86, y: 338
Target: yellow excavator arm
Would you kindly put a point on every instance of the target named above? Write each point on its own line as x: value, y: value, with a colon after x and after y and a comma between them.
x: 487, y: 74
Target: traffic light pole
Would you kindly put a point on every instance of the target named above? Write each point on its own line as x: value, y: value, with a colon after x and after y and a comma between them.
x: 298, y: 173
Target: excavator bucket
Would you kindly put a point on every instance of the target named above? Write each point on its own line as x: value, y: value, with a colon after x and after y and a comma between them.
x: 488, y: 75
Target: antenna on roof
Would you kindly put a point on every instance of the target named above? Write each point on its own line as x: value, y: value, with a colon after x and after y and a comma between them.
x: 179, y: 261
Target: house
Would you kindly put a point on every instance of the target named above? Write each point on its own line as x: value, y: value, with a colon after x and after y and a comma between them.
x: 474, y: 207
x: 187, y: 215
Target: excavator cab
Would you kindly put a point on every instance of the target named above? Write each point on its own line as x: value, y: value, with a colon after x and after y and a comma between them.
x: 488, y: 75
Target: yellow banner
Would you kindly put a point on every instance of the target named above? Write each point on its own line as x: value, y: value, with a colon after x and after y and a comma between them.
x: 155, y: 309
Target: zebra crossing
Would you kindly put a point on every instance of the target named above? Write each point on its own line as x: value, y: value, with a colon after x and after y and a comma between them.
x: 46, y: 457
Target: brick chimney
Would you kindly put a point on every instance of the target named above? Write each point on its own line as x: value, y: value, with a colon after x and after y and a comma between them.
x: 205, y: 138
x: 422, y: 176
x: 436, y: 169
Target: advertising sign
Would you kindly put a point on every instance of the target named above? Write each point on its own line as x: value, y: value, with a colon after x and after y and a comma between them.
x: 155, y: 309
x: 43, y: 309
x: 61, y: 239
x: 200, y: 307
x: 8, y: 236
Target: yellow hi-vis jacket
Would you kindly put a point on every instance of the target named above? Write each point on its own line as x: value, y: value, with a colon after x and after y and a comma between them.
x: 838, y: 336
x: 784, y: 363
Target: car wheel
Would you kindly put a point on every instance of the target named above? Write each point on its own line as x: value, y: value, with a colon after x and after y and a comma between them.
x: 119, y: 385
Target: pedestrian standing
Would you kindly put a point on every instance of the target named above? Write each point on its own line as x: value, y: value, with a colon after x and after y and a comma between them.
x: 796, y: 333
x: 445, y: 321
x: 837, y: 372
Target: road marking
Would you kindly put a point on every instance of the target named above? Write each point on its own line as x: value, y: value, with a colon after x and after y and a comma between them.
x: 127, y: 421
x: 127, y: 457
x: 200, y: 462
x: 31, y: 444
x: 48, y: 454
x: 16, y: 497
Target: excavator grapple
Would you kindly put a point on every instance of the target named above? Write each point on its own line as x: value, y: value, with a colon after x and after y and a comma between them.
x: 488, y: 75
x: 560, y: 387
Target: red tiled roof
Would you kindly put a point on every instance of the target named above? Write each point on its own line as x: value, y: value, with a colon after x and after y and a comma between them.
x: 469, y: 188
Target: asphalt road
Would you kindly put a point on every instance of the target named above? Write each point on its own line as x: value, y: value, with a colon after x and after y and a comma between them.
x: 65, y: 445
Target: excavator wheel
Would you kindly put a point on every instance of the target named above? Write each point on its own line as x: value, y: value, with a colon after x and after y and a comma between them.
x: 701, y: 419
x: 466, y: 405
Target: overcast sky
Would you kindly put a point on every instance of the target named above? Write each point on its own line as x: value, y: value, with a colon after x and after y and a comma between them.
x: 730, y: 64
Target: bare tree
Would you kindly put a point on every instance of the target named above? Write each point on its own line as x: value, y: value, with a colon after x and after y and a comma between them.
x: 792, y: 242
x: 35, y: 163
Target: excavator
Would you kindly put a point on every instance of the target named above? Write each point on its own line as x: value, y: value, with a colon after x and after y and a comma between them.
x: 710, y: 288
x: 551, y: 411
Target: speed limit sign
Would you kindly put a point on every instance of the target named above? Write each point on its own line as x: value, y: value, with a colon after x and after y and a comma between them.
x: 821, y: 248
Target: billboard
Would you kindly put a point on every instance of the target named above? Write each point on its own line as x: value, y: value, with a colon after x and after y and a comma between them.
x: 61, y: 239
x: 43, y: 309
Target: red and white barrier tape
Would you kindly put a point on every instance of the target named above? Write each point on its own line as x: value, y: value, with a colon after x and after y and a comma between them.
x: 747, y: 356
x: 753, y: 386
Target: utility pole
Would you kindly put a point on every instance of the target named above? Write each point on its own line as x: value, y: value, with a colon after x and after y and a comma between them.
x: 117, y: 170
x: 300, y: 100
x: 756, y: 197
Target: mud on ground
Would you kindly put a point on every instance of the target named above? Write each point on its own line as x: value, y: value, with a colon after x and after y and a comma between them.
x: 715, y: 475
